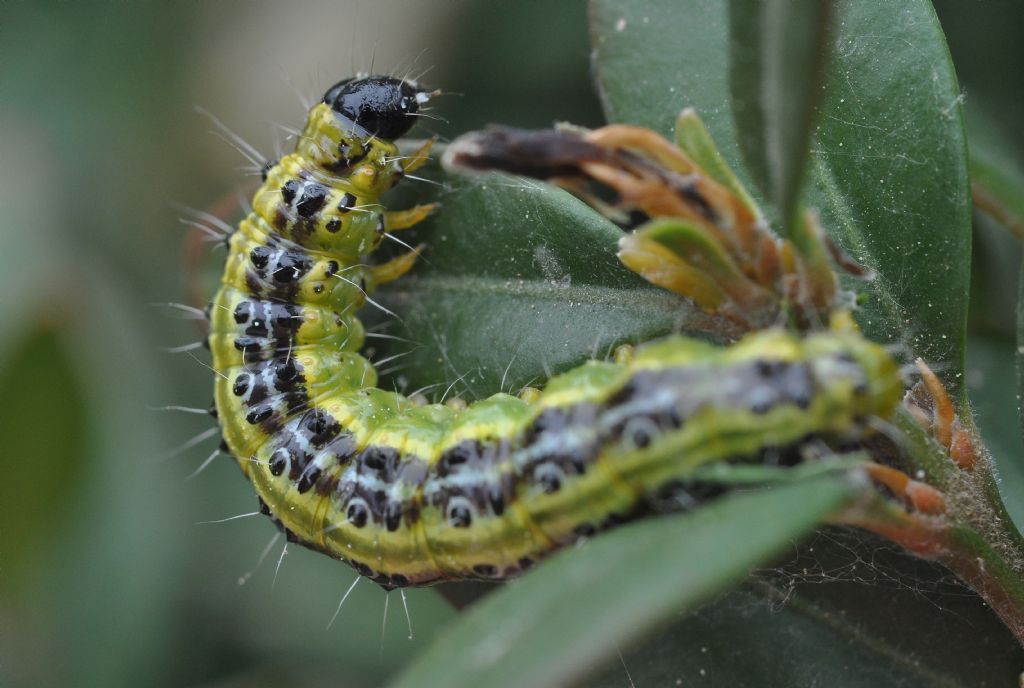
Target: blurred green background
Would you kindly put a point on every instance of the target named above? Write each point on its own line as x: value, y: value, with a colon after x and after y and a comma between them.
x: 106, y: 577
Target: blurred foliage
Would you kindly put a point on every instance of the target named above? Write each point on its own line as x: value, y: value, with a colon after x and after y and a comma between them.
x: 105, y: 577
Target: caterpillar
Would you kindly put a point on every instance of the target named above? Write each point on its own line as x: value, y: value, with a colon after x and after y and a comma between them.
x: 415, y: 494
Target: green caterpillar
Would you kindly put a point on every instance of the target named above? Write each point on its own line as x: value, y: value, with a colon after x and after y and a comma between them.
x: 417, y: 494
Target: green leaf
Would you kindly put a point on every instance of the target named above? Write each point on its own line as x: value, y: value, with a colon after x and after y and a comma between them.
x: 519, y: 281
x: 777, y: 55
x: 551, y: 626
x: 817, y: 620
x: 888, y: 165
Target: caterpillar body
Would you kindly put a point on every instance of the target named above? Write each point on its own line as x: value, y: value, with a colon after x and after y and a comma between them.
x: 417, y: 494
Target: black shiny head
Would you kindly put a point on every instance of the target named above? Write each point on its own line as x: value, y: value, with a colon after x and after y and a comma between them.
x: 383, y: 105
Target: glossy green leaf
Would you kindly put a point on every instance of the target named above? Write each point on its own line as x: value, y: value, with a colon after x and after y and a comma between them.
x: 888, y: 166
x: 777, y: 56
x: 552, y: 625
x: 519, y: 281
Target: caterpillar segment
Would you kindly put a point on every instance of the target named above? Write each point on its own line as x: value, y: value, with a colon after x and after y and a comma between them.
x: 414, y: 494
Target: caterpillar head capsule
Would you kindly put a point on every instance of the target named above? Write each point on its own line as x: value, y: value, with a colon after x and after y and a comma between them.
x: 382, y: 105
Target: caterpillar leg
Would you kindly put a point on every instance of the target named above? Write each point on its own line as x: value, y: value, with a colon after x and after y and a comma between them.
x: 395, y: 220
x: 419, y: 157
x: 931, y: 406
x: 394, y: 268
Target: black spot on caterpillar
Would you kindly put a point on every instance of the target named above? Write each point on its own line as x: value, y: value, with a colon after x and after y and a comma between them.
x: 416, y: 494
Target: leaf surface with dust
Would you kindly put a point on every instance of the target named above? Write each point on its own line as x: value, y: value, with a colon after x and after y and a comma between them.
x: 519, y: 281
